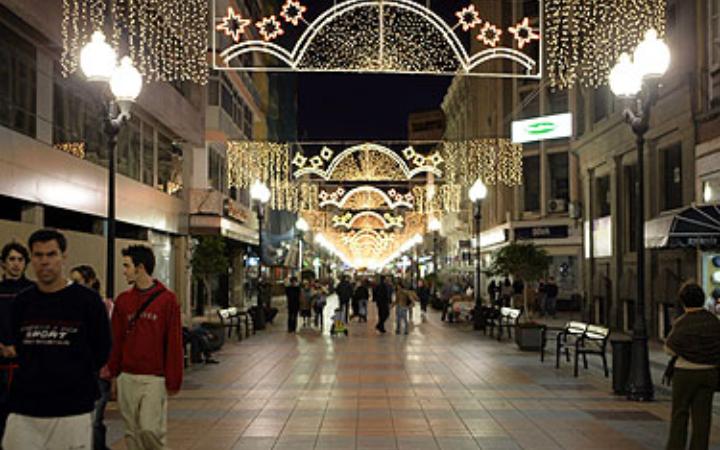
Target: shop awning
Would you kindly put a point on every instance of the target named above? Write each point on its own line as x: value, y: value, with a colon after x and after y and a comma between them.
x: 693, y: 227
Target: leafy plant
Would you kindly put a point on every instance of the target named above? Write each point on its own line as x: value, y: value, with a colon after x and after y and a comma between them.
x: 209, y: 259
x: 525, y: 262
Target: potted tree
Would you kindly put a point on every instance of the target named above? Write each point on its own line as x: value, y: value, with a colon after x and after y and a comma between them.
x: 208, y: 260
x: 525, y: 262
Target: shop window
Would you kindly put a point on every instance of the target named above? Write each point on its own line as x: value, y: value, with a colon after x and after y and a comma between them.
x: 602, y: 196
x: 18, y: 88
x: 148, y: 155
x: 217, y: 172
x: 168, y: 176
x: 672, y: 177
x: 531, y: 183
x: 559, y: 176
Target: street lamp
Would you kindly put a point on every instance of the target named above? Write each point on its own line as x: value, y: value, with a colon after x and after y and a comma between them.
x: 302, y: 227
x: 478, y: 192
x: 260, y: 193
x: 639, y: 81
x: 98, y: 62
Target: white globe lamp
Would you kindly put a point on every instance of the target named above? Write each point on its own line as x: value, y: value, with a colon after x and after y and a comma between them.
x: 260, y: 192
x: 478, y: 191
x: 625, y: 78
x: 98, y: 59
x: 652, y: 56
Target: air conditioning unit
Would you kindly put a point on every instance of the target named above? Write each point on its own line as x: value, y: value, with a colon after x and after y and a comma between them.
x: 557, y: 205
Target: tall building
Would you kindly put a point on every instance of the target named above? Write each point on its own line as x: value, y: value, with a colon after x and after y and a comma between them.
x: 541, y: 209
x: 426, y: 125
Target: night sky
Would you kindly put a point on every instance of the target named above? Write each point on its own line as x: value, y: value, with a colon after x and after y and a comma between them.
x: 364, y: 106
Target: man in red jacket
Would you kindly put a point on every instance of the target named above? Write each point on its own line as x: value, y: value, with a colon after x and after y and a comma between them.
x: 147, y: 353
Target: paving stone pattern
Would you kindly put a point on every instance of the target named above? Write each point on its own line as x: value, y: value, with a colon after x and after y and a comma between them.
x: 441, y: 387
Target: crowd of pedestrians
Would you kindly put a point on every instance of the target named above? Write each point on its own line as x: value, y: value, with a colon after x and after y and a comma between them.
x: 66, y: 351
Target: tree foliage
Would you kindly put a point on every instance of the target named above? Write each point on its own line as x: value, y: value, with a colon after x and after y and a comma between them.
x: 208, y: 259
x: 526, y: 262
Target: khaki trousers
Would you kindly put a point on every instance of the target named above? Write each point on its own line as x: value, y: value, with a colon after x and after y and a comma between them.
x: 48, y: 433
x: 142, y: 400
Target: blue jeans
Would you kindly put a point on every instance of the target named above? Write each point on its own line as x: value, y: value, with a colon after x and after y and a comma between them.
x: 99, y: 429
x: 401, y: 316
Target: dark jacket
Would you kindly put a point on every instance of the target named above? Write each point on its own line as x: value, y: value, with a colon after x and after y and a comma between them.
x: 344, y: 291
x: 696, y: 337
x: 293, y: 298
x: 8, y: 290
x: 382, y: 295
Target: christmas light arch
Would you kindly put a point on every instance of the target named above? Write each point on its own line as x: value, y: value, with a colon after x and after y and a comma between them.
x: 391, y: 204
x: 446, y: 44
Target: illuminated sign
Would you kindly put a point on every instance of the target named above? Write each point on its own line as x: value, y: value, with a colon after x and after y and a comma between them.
x: 542, y: 128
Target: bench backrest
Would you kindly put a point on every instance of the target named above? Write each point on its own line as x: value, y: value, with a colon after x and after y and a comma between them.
x: 232, y: 311
x: 597, y: 332
x: 576, y: 327
x: 510, y: 313
x: 225, y: 313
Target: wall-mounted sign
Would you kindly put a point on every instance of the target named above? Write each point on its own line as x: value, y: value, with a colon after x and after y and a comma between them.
x: 542, y: 128
x: 551, y: 232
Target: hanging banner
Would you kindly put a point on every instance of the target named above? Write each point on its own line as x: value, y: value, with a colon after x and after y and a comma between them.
x: 542, y: 128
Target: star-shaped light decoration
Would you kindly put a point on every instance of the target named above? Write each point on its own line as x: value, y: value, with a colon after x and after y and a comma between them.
x: 292, y: 12
x: 233, y: 24
x: 436, y: 159
x: 299, y: 160
x: 489, y: 35
x: 316, y: 162
x: 524, y: 33
x: 326, y: 153
x: 323, y: 195
x: 269, y: 28
x: 468, y: 17
x: 419, y: 160
x: 409, y: 153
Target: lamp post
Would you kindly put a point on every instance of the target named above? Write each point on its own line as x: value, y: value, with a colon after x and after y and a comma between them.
x: 477, y: 193
x: 638, y: 82
x: 260, y: 193
x: 98, y: 62
x: 302, y: 227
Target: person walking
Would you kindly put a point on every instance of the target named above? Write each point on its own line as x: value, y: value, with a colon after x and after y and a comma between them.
x: 694, y: 344
x: 344, y: 291
x: 305, y: 302
x: 361, y: 296
x: 147, y: 357
x: 551, y: 294
x: 382, y: 297
x: 14, y: 259
x: 506, y: 292
x: 541, y: 297
x: 492, y: 291
x: 404, y: 301
x: 85, y: 275
x: 60, y: 334
x: 423, y: 293
x: 293, y: 293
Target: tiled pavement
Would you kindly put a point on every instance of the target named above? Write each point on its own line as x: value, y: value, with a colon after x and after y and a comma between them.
x: 441, y: 387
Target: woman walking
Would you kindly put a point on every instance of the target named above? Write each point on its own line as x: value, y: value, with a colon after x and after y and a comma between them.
x: 694, y: 343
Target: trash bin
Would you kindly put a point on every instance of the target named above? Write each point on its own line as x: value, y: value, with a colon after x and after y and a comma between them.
x: 622, y: 353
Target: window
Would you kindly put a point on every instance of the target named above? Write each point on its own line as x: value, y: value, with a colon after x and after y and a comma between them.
x: 128, y: 149
x: 213, y: 92
x: 630, y: 206
x: 600, y: 103
x: 164, y: 163
x: 216, y: 171
x: 714, y: 52
x: 77, y: 119
x: 602, y: 196
x: 559, y: 176
x: 529, y: 104
x: 148, y: 155
x: 248, y: 122
x: 531, y: 182
x: 672, y: 177
x: 17, y: 82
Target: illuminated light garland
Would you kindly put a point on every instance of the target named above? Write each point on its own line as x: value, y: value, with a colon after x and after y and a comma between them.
x: 269, y: 28
x: 524, y: 33
x: 385, y: 221
x: 489, y: 35
x: 166, y: 40
x: 396, y: 36
x: 233, y: 24
x: 584, y: 39
x: 292, y: 12
x: 77, y: 149
x: 468, y: 17
x: 376, y: 199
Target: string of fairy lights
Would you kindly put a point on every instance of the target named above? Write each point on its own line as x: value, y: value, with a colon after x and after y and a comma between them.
x: 584, y: 39
x: 166, y: 40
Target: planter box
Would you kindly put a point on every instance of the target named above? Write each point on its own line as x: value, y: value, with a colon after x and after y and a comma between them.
x: 529, y: 338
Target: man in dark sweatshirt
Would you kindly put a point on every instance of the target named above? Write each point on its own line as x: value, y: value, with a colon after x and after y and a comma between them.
x: 14, y: 258
x: 147, y: 354
x: 61, y: 337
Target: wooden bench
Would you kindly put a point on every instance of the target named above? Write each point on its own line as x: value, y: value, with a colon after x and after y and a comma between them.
x: 592, y: 342
x: 507, y: 320
x: 571, y: 333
